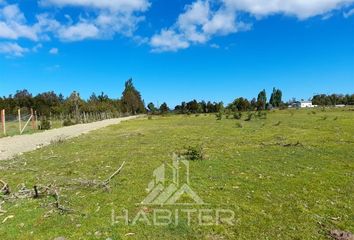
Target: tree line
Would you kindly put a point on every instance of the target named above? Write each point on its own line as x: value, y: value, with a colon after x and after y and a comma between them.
x: 333, y: 99
x: 50, y: 103
x: 239, y: 104
x: 131, y: 103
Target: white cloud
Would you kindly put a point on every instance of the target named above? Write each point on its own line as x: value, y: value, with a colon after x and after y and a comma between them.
x: 12, y: 49
x: 195, y: 16
x: 168, y: 40
x: 204, y: 19
x: 13, y: 24
x: 198, y: 24
x: 113, y: 5
x: 54, y: 51
x: 103, y: 19
x: 214, y: 45
x: 77, y: 32
x: 302, y: 9
x: 37, y: 47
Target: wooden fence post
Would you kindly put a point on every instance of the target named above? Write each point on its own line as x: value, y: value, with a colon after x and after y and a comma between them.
x: 36, y: 119
x: 19, y: 120
x: 33, y: 120
x: 3, y: 121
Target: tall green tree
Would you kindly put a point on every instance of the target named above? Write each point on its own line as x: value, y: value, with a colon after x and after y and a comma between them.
x: 276, y: 97
x: 262, y: 100
x: 131, y: 99
x: 240, y: 104
x: 152, y: 108
x: 164, y: 108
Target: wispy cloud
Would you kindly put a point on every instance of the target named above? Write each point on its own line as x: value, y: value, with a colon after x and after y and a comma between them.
x: 103, y: 20
x: 168, y: 40
x: 54, y: 51
x: 349, y: 13
x: 11, y: 49
x: 13, y: 24
x: 113, y: 5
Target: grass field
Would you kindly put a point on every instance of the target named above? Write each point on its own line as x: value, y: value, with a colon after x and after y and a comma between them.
x: 290, y: 176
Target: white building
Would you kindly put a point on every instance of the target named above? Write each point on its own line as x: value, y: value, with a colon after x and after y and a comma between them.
x: 306, y: 104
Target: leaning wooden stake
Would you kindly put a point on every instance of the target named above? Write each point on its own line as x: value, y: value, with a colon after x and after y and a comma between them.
x: 5, y: 189
x: 108, y: 180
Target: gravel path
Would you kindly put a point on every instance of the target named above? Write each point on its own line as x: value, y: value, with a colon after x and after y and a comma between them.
x: 12, y: 146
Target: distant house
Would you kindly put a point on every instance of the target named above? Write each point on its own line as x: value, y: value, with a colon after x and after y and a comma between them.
x: 306, y: 104
x: 302, y: 104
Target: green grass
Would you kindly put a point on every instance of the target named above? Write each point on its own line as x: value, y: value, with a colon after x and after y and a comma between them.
x: 276, y: 192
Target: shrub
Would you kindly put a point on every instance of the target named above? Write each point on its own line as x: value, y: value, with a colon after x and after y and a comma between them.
x: 262, y: 115
x: 218, y: 116
x: 249, y: 116
x: 278, y: 123
x: 237, y: 115
x: 192, y: 153
x: 68, y: 122
x: 239, y: 125
x: 324, y: 117
x: 149, y: 117
x: 45, y: 124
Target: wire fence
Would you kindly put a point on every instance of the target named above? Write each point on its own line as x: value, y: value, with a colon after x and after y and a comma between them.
x: 27, y: 121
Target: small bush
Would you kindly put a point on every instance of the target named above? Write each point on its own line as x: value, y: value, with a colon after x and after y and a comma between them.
x: 45, y: 124
x: 192, y: 153
x: 218, y: 116
x: 237, y: 115
x: 249, y: 117
x: 278, y: 123
x: 324, y: 118
x: 149, y: 117
x: 238, y: 125
x: 335, y: 119
x: 262, y: 115
x: 68, y: 122
x: 197, y: 115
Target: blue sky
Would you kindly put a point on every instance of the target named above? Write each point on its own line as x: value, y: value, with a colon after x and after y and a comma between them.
x: 178, y: 50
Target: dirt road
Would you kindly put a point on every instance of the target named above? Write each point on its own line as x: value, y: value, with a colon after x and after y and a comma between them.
x: 11, y: 146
